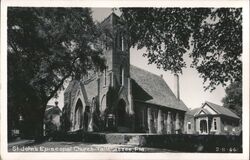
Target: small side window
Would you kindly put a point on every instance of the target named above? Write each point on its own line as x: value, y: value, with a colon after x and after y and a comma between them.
x: 189, y: 125
x: 215, y: 124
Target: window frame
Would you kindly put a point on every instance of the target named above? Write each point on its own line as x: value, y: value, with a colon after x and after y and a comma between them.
x: 121, y: 75
x: 189, y: 126
x: 215, y: 124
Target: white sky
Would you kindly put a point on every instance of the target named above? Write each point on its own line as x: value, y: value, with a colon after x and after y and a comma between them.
x: 191, y: 86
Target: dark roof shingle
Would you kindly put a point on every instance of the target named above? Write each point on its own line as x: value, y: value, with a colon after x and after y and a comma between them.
x: 153, y: 89
x: 222, y: 110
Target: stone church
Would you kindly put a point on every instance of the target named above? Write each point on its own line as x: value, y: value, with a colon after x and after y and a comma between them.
x: 122, y: 98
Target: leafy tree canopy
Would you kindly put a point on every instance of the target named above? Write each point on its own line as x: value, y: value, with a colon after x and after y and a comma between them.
x: 211, y: 36
x: 233, y: 98
x: 45, y: 47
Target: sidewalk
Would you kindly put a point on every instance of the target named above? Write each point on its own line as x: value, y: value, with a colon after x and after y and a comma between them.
x: 20, y: 142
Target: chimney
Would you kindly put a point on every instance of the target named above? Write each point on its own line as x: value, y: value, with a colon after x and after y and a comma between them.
x: 176, y: 86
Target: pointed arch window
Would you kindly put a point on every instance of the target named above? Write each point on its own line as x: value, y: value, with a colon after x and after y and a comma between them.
x: 121, y: 75
x: 78, y: 115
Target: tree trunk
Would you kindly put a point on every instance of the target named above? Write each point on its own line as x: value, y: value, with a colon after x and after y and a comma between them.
x: 39, y: 124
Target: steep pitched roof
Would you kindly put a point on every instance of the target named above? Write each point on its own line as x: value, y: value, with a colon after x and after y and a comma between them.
x: 222, y: 110
x: 151, y: 88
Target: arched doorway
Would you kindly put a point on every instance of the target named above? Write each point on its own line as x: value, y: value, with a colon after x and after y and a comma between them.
x: 203, y: 126
x: 121, y: 113
x: 78, y: 115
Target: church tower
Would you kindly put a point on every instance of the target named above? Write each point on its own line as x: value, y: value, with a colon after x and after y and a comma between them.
x: 102, y: 100
x: 116, y: 50
x: 117, y: 73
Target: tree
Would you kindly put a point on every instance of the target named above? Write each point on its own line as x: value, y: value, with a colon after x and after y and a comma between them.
x: 233, y: 98
x: 46, y: 46
x: 211, y: 36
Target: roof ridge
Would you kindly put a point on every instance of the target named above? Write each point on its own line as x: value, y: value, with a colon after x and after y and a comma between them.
x: 212, y: 103
x: 146, y: 71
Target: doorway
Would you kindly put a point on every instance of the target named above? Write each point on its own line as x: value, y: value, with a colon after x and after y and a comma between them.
x: 203, y: 126
x: 86, y: 118
x: 121, y: 113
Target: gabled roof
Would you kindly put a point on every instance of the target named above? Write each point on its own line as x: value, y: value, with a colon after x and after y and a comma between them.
x: 197, y: 111
x: 221, y: 110
x: 151, y: 88
x: 202, y: 110
x: 218, y: 109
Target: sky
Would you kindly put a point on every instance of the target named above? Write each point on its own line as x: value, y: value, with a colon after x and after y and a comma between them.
x: 191, y: 85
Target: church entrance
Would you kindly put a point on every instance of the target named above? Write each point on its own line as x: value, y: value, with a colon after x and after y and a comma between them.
x: 203, y: 127
x: 121, y: 113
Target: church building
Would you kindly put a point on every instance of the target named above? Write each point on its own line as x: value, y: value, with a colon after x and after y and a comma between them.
x: 123, y: 98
